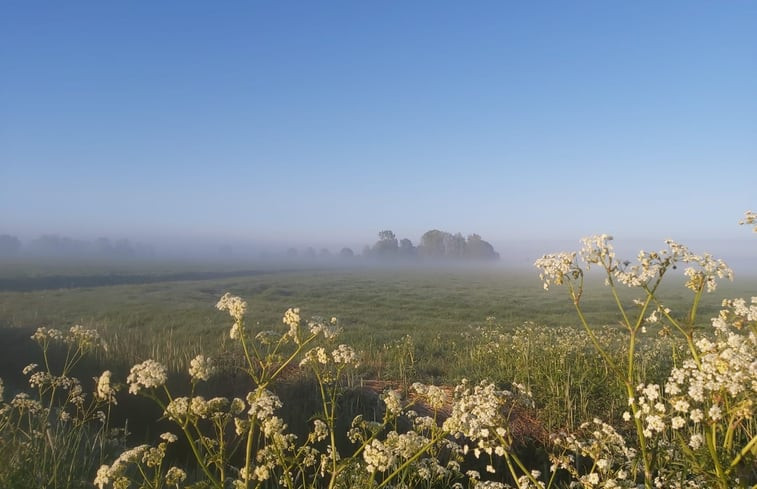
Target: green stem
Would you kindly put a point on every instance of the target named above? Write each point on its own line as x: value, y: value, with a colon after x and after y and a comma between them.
x: 711, y: 437
x: 742, y: 453
x: 628, y: 382
x: 688, y: 334
x: 291, y: 357
x: 190, y: 440
x: 596, y: 344
x: 695, y: 304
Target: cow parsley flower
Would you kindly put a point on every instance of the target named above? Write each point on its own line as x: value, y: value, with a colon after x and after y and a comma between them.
x: 292, y: 319
x: 345, y: 354
x: 750, y: 217
x: 557, y: 268
x: 393, y: 401
x: 147, y: 374
x: 262, y: 403
x: 234, y: 305
x: 175, y: 476
x: 105, y: 390
x: 201, y: 368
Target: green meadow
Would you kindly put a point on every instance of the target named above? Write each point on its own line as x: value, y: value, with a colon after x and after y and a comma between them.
x: 439, y: 326
x: 375, y: 306
x: 166, y: 311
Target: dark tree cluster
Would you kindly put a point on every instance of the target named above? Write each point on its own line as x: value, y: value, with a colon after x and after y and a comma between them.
x: 434, y: 245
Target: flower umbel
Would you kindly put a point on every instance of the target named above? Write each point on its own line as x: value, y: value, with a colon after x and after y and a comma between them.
x: 147, y: 374
x: 201, y: 368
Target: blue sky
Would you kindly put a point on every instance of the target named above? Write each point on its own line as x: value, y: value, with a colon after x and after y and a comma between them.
x: 325, y: 122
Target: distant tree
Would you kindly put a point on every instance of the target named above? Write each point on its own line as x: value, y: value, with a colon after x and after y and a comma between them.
x: 54, y: 245
x: 367, y: 251
x: 324, y: 253
x: 443, y: 245
x: 478, y: 249
x: 454, y: 246
x: 432, y: 244
x: 407, y: 250
x: 309, y: 253
x: 9, y: 245
x: 346, y: 253
x: 387, y: 245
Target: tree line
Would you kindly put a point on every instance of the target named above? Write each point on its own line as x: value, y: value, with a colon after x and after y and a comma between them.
x: 62, y: 246
x: 434, y: 245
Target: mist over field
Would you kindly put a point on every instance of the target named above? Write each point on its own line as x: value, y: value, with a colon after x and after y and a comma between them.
x: 513, y: 253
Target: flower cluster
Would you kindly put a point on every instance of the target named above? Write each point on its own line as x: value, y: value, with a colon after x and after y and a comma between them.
x: 612, y: 461
x: 383, y: 455
x: 346, y: 355
x: 292, y: 319
x: 183, y: 409
x: 651, y: 409
x: 480, y: 414
x: 750, y: 218
x: 597, y: 250
x: 722, y: 381
x: 86, y: 339
x: 43, y: 335
x: 201, y: 368
x: 233, y: 304
x: 434, y: 395
x: 393, y: 401
x: 557, y: 268
x: 145, y: 457
x: 105, y: 390
x: 236, y: 308
x: 315, y: 355
x: 262, y: 403
x: 148, y: 374
x: 329, y: 330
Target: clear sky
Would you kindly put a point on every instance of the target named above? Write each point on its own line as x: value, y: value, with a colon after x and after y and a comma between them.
x: 325, y: 122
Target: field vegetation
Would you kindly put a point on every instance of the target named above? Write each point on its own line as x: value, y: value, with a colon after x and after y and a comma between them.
x: 387, y: 377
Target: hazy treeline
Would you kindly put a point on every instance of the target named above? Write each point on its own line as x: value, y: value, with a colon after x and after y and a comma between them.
x: 61, y: 246
x: 433, y: 246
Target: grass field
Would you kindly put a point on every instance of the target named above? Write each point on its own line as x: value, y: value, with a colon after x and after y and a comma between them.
x: 169, y: 313
x: 434, y: 325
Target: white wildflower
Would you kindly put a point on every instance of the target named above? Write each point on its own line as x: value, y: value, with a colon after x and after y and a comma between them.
x: 346, y: 355
x: 169, y: 437
x: 105, y: 390
x: 262, y: 403
x: 175, y: 476
x: 696, y: 441
x: 292, y: 319
x: 557, y: 268
x: 715, y: 413
x: 201, y: 368
x: 696, y: 415
x: 393, y: 401
x: 235, y: 305
x: 147, y: 374
x: 750, y: 217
